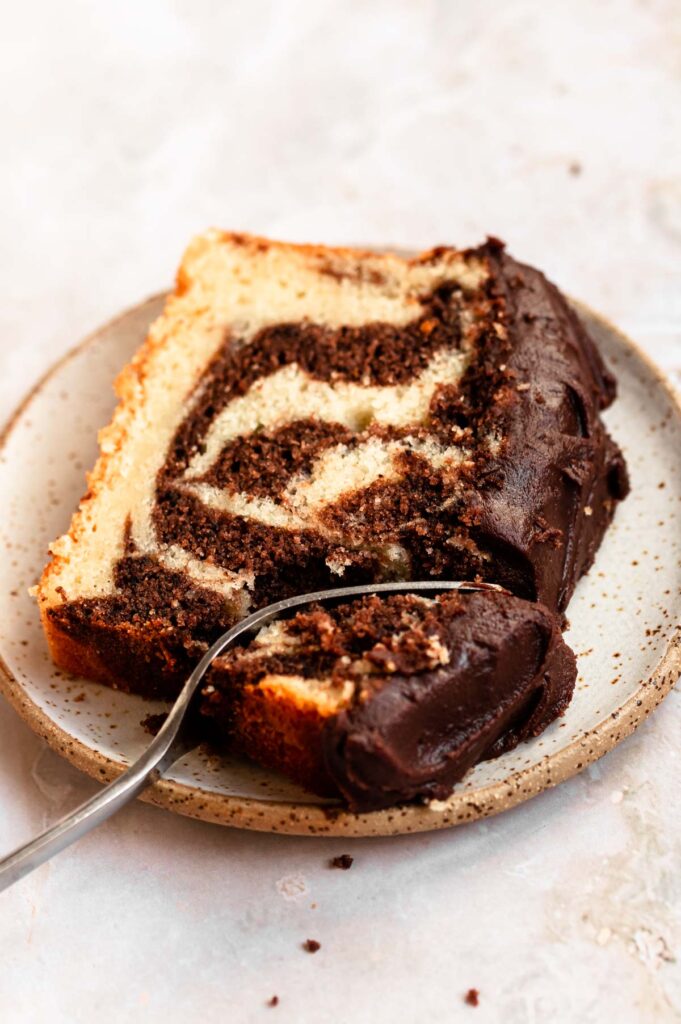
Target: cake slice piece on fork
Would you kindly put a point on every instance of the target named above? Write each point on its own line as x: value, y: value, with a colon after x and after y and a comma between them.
x: 390, y: 698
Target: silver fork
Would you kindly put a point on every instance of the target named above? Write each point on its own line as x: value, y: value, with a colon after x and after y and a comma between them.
x: 174, y: 738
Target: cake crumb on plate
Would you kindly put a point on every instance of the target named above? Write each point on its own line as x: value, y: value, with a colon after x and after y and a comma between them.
x: 344, y: 861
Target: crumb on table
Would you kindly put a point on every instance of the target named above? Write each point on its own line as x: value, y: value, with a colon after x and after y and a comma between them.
x: 472, y: 997
x: 343, y: 861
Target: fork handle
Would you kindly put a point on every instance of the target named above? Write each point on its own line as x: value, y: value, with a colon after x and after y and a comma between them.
x: 159, y: 755
x: 172, y: 740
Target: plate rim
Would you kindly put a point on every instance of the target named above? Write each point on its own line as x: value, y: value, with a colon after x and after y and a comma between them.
x: 295, y: 818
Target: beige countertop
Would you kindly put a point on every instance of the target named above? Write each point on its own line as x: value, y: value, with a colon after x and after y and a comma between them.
x: 556, y: 126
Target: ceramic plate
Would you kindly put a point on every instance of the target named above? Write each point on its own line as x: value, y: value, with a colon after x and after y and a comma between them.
x: 624, y: 616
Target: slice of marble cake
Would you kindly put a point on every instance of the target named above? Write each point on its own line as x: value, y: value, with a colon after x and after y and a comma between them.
x: 388, y: 699
x: 303, y: 417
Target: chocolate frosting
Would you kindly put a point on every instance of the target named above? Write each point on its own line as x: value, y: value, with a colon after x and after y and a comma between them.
x: 510, y: 674
x: 551, y: 492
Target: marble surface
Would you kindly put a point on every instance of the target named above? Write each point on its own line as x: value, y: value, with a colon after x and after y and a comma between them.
x: 128, y: 126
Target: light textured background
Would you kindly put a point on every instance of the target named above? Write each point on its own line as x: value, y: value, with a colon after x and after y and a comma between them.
x: 126, y: 127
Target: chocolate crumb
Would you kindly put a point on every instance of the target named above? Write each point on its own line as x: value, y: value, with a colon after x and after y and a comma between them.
x: 311, y: 945
x: 343, y: 861
x: 152, y: 723
x: 472, y: 997
x: 274, y: 1001
x: 575, y: 168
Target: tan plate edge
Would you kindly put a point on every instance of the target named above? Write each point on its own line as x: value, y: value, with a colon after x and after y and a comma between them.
x: 312, y: 819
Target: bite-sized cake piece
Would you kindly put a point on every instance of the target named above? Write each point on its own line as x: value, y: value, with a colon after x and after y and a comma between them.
x: 303, y: 417
x: 385, y: 699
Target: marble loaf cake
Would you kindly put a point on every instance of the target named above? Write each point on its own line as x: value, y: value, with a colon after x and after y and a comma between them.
x: 304, y: 417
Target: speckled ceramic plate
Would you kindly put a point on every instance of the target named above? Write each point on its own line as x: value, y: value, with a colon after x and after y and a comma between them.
x: 624, y: 616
